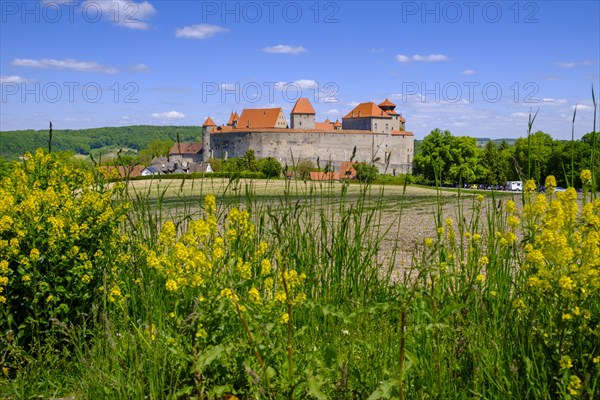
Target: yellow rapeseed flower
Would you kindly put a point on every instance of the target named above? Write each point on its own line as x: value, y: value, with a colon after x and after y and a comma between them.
x: 586, y: 176
x: 550, y: 183
x: 510, y: 206
x: 265, y: 267
x: 530, y: 186
x: 565, y: 362
x: 480, y: 278
x: 574, y: 385
x: 171, y: 285
x: 285, y: 318
x: 254, y: 295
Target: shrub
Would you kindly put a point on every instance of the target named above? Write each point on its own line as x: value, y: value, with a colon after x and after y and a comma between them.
x: 60, y: 248
x: 366, y: 173
x: 304, y: 168
x: 270, y: 167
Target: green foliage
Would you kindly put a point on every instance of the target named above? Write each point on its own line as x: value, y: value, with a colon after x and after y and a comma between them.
x: 270, y: 167
x: 538, y: 156
x: 304, y: 168
x: 249, y: 161
x: 156, y: 148
x: 17, y: 143
x: 366, y: 173
x: 447, y: 159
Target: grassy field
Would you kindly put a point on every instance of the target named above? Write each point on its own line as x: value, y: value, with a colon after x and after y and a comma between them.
x: 218, y: 289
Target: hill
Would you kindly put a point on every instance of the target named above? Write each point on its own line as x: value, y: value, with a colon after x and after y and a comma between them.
x: 83, y: 141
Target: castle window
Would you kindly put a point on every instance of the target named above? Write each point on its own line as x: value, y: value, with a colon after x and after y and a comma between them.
x: 387, y: 127
x: 375, y: 126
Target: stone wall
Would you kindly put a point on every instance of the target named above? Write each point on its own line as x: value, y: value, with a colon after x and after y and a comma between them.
x: 325, y: 146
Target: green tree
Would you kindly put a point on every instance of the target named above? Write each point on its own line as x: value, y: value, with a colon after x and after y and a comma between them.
x: 494, y: 164
x: 532, y: 160
x: 157, y: 148
x: 304, y: 168
x: 433, y: 159
x: 446, y: 159
x: 270, y: 167
x: 463, y: 163
x: 250, y: 163
x: 366, y: 173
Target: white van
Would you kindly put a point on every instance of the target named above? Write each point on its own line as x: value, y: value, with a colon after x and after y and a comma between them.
x: 514, y: 186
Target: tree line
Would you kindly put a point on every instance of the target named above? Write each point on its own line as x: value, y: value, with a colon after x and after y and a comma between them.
x: 450, y: 160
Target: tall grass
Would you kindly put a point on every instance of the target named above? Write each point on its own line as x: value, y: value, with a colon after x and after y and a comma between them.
x: 305, y: 296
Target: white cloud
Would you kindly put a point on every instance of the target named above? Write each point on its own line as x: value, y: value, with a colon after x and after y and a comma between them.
x: 333, y: 111
x: 284, y: 49
x: 139, y: 68
x: 168, y: 115
x: 68, y: 63
x: 551, y: 101
x: 228, y: 86
x: 469, y: 72
x: 520, y: 115
x: 353, y: 104
x: 573, y: 64
x: 125, y: 13
x: 202, y: 31
x: 300, y: 83
x: 583, y: 107
x: 419, y: 58
x: 13, y: 79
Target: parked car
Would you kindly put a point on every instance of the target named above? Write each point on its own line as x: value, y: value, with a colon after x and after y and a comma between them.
x: 560, y: 189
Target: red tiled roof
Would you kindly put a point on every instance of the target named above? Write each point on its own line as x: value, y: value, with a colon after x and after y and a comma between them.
x: 324, y: 176
x: 209, y: 122
x: 232, y: 119
x: 387, y: 103
x: 324, y: 126
x: 401, y: 133
x: 303, y: 106
x: 401, y: 119
x: 347, y: 170
x: 367, y: 110
x: 258, y: 118
x: 186, y: 148
x: 337, y: 123
x: 391, y: 112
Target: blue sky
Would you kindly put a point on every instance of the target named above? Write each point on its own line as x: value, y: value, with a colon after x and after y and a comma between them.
x: 474, y: 68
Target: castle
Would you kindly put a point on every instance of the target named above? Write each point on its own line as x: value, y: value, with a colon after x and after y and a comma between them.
x: 376, y: 131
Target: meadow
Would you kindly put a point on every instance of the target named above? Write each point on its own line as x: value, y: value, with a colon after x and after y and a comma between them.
x: 282, y: 289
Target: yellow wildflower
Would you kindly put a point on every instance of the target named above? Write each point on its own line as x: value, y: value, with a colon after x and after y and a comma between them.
x: 254, y: 295
x: 511, y: 206
x: 565, y: 362
x: 480, y: 278
x: 171, y: 285
x: 586, y: 176
x: 285, y: 318
x: 530, y: 186
x: 574, y: 385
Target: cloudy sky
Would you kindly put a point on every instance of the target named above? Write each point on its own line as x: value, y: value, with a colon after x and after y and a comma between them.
x: 474, y: 68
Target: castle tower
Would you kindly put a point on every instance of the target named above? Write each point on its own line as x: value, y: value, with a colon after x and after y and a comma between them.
x: 233, y: 118
x: 208, y: 128
x: 302, y: 115
x: 389, y: 107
